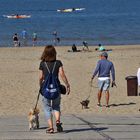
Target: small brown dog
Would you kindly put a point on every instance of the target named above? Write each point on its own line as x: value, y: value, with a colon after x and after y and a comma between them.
x: 33, y: 118
x: 84, y: 104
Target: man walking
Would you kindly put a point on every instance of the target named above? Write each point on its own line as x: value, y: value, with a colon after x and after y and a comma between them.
x: 103, y: 68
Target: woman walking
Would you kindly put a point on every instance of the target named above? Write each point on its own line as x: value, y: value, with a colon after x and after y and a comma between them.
x: 50, y: 63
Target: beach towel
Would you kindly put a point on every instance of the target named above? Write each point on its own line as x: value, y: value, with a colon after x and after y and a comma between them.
x: 138, y: 76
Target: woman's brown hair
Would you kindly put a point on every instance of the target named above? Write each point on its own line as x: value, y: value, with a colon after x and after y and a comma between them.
x: 49, y: 53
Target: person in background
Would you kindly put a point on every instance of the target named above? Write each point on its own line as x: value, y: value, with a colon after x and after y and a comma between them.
x: 138, y: 77
x: 52, y: 106
x: 100, y: 48
x: 34, y: 38
x: 16, y: 40
x: 56, y: 38
x: 55, y: 34
x: 85, y: 45
x: 24, y: 37
x: 74, y: 48
x: 103, y: 68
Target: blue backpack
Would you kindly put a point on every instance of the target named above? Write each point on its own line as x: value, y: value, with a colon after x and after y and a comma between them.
x: 50, y: 86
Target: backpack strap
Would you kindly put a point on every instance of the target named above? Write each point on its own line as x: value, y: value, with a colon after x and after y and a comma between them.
x: 54, y: 67
x: 49, y: 69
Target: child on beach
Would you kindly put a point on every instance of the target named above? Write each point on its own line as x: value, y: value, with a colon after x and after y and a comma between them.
x: 48, y: 61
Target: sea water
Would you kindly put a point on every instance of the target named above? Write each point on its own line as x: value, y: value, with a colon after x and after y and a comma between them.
x: 103, y: 21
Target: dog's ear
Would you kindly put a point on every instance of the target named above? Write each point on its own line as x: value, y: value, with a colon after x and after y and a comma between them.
x: 30, y: 113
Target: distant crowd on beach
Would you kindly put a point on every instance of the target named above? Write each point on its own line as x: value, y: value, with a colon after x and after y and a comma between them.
x: 21, y: 39
x: 86, y: 48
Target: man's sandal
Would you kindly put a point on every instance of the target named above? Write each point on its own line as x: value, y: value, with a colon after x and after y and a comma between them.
x: 59, y: 126
x: 50, y: 130
x: 107, y: 106
x: 99, y: 105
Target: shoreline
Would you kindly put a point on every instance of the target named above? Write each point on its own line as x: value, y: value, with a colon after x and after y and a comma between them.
x: 37, y: 46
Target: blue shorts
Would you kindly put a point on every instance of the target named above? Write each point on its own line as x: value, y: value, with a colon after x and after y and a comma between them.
x: 50, y: 106
x: 104, y: 84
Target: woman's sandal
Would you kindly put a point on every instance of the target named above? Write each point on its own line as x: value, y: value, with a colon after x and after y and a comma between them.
x: 59, y: 126
x: 50, y: 130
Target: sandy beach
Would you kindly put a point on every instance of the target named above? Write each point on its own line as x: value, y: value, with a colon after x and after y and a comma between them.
x: 19, y: 80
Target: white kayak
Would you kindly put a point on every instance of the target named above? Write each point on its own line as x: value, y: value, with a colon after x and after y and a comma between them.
x: 79, y: 9
x: 64, y: 10
x: 17, y: 16
x: 70, y: 10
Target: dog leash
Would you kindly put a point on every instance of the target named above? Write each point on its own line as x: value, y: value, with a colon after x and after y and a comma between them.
x: 92, y: 86
x: 90, y: 89
x: 37, y: 100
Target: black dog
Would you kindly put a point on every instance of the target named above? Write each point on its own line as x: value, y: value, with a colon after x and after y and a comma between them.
x: 84, y: 104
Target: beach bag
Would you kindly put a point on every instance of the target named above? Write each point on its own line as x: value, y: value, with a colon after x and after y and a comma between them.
x: 50, y: 87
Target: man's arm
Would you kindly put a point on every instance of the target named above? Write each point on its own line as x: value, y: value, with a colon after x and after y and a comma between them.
x: 96, y: 70
x: 113, y: 72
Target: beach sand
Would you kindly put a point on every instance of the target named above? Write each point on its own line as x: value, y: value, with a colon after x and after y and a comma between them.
x: 19, y: 76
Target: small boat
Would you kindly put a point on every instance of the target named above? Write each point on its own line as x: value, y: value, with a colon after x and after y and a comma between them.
x: 65, y: 10
x: 79, y: 9
x: 70, y: 10
x: 17, y: 16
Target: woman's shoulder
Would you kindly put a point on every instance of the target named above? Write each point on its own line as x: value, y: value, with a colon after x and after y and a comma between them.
x: 42, y: 62
x: 59, y: 62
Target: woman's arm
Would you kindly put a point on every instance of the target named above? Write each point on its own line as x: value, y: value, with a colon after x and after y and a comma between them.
x: 41, y: 77
x: 64, y: 78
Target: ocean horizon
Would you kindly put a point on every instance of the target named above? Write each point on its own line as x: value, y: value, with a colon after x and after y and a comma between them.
x: 108, y: 22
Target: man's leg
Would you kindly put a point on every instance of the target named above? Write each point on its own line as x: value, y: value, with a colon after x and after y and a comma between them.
x: 99, y: 97
x: 107, y: 98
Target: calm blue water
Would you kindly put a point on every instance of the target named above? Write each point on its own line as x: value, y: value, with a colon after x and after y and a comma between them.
x: 103, y: 21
